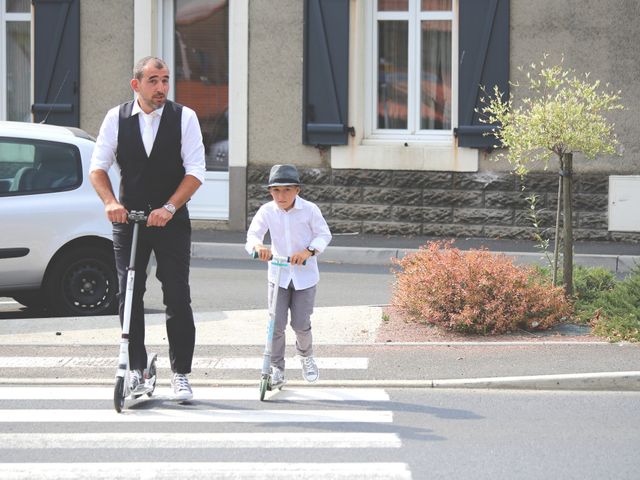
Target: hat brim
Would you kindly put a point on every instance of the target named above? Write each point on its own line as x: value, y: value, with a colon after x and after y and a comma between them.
x: 283, y: 184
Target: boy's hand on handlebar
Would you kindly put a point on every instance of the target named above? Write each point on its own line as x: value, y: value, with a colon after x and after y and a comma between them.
x: 299, y: 258
x: 264, y: 253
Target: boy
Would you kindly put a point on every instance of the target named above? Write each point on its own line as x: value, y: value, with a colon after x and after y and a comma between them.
x: 299, y: 231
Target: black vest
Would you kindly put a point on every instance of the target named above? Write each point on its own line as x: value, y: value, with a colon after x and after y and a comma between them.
x: 149, y: 182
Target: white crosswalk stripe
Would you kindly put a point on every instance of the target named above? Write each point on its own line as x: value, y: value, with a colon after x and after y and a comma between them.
x: 195, y: 416
x: 209, y: 470
x: 201, y: 440
x: 222, y: 363
x: 202, y: 393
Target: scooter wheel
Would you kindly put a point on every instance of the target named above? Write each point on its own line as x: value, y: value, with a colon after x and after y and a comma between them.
x: 118, y: 395
x: 264, y: 385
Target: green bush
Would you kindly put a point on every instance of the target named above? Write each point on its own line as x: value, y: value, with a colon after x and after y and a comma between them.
x: 590, y: 282
x: 615, y: 313
x: 474, y: 292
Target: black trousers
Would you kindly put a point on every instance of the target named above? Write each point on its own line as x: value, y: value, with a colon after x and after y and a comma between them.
x: 172, y: 247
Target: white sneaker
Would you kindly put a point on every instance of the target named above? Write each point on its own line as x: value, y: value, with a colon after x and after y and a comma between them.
x: 135, y: 379
x: 181, y: 388
x: 277, y: 378
x: 309, y: 369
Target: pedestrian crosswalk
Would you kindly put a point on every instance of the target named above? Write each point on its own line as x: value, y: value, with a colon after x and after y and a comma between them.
x: 67, y: 431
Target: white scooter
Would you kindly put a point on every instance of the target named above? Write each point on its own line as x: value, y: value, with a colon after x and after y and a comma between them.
x: 121, y: 390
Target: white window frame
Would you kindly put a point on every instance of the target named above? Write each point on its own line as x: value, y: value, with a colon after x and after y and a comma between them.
x: 4, y: 19
x: 414, y: 16
x: 438, y: 152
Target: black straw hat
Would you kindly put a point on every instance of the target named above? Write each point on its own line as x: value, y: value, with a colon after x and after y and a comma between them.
x: 282, y: 175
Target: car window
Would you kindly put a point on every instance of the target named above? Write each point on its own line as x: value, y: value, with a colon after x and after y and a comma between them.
x: 28, y: 167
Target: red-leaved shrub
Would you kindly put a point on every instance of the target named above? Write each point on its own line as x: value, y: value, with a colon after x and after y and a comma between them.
x: 474, y: 291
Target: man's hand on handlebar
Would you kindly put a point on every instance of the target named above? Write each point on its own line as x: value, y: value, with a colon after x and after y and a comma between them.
x: 159, y: 217
x: 116, y: 213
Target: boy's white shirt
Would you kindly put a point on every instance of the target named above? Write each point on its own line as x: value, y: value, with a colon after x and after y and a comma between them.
x: 301, y: 227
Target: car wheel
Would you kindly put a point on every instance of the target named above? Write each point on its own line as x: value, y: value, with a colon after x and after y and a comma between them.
x: 83, y: 281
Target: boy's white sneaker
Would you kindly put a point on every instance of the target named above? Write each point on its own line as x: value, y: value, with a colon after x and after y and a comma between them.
x: 181, y: 388
x: 277, y: 378
x: 309, y: 369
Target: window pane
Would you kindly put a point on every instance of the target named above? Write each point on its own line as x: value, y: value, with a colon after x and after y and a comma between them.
x: 435, y: 89
x: 393, y: 42
x: 38, y: 167
x: 16, y: 159
x: 393, y: 5
x: 437, y: 5
x: 18, y: 6
x: 202, y: 71
x: 18, y: 71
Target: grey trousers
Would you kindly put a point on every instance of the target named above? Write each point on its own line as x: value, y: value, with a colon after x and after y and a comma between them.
x: 300, y: 302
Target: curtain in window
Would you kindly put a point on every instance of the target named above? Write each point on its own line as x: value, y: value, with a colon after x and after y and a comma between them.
x: 435, y: 88
x: 393, y: 40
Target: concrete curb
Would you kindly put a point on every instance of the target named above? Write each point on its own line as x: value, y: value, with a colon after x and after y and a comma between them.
x: 383, y: 256
x: 608, y: 381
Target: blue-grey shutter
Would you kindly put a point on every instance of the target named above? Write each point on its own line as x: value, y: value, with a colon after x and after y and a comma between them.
x: 484, y: 60
x: 56, y: 66
x: 326, y: 68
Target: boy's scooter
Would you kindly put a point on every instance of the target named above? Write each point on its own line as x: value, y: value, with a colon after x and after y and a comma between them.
x: 265, y: 375
x: 121, y: 390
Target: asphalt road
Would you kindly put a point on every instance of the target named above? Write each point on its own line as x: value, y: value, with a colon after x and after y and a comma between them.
x: 221, y: 285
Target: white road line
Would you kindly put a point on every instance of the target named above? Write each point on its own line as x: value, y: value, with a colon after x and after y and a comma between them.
x: 184, y: 415
x: 151, y: 441
x: 223, y: 363
x: 209, y: 470
x: 202, y: 393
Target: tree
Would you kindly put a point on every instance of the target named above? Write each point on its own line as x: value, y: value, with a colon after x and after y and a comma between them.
x: 558, y: 115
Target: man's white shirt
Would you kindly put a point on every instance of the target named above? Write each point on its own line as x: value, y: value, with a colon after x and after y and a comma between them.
x: 192, y: 148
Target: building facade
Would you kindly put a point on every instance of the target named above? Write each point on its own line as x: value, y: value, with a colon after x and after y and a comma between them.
x: 373, y: 100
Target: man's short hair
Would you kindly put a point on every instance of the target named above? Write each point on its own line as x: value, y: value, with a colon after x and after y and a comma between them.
x: 138, y: 70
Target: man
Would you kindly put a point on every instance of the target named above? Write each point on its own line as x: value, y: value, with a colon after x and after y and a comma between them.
x: 158, y: 147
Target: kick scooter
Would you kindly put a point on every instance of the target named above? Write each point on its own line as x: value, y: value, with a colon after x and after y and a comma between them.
x: 265, y: 374
x: 121, y: 390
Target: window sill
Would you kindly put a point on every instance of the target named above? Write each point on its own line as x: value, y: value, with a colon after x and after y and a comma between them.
x: 390, y: 155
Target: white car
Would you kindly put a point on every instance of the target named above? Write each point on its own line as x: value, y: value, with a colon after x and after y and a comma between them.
x: 56, y: 250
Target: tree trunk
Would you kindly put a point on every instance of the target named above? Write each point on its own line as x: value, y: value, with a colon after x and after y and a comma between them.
x: 556, y: 235
x: 567, y: 225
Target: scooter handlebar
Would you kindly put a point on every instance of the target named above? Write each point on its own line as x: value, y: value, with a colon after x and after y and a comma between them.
x: 137, y: 216
x: 276, y: 258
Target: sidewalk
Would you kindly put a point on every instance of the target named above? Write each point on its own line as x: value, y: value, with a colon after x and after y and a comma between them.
x: 378, y: 250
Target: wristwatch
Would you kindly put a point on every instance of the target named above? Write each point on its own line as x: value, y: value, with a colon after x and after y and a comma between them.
x: 312, y: 250
x: 170, y: 207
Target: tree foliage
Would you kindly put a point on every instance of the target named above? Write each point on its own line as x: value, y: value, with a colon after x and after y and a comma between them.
x: 558, y: 113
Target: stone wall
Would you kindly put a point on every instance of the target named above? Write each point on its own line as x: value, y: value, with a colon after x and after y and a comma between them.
x: 445, y: 204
